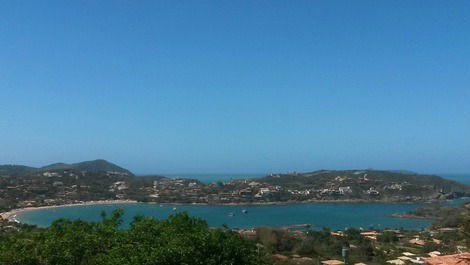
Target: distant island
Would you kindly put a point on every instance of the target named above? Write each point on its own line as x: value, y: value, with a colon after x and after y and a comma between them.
x: 60, y: 183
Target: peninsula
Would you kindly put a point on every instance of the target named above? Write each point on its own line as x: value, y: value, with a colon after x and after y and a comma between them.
x: 100, y: 180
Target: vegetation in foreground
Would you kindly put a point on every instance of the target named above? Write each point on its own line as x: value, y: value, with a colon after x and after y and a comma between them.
x: 180, y: 239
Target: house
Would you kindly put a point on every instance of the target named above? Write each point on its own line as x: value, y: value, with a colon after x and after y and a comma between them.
x: 29, y: 202
x: 373, y: 192
x: 57, y: 183
x: 264, y: 190
x: 396, y: 262
x: 50, y: 174
x: 345, y: 190
x: 300, y: 260
x: 454, y: 259
x: 280, y: 257
x: 417, y: 241
x: 434, y: 254
x: 339, y: 233
x: 372, y: 233
x: 405, y: 258
x: 417, y: 261
x: 332, y: 262
x: 447, y: 229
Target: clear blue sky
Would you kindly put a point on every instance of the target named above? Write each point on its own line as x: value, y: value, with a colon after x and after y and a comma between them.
x: 237, y: 86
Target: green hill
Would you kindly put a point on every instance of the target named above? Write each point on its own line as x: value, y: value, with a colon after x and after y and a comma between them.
x: 383, y: 184
x: 16, y: 170
x: 98, y: 165
x: 92, y: 166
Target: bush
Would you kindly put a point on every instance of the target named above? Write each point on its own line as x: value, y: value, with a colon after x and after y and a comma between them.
x: 180, y: 239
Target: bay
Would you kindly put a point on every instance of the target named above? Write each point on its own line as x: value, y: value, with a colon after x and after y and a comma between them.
x: 335, y: 215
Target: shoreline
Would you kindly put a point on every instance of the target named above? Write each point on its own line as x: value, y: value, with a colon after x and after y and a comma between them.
x: 409, y: 216
x: 12, y: 214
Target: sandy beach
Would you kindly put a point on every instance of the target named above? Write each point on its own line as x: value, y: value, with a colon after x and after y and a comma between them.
x: 11, y: 215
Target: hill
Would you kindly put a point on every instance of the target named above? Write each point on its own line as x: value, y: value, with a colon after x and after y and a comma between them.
x: 442, y: 215
x: 92, y: 166
x: 386, y: 185
x: 16, y: 169
x: 99, y: 165
x: 100, y: 180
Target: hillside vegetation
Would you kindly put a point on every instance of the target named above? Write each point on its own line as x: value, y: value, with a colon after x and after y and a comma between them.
x: 442, y: 215
x: 386, y: 185
x: 98, y: 165
x: 61, y: 183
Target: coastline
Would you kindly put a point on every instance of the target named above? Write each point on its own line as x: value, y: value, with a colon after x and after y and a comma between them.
x: 11, y: 215
x: 409, y: 216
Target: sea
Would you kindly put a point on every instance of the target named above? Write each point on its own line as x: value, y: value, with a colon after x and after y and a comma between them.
x: 335, y: 215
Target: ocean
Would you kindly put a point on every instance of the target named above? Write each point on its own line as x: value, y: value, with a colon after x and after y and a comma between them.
x: 333, y: 215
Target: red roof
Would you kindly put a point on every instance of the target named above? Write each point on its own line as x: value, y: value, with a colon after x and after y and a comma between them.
x: 280, y: 257
x: 455, y: 259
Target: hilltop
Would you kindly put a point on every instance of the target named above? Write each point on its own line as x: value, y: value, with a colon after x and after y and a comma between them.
x: 98, y: 165
x: 16, y: 170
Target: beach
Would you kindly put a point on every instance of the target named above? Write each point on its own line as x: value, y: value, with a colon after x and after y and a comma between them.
x: 11, y: 215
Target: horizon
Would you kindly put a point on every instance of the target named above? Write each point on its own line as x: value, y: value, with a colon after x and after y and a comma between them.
x: 238, y: 174
x: 209, y: 86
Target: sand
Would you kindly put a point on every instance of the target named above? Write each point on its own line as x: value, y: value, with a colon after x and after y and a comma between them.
x: 11, y: 215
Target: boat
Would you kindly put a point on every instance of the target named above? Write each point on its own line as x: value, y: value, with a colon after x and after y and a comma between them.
x: 244, y: 211
x: 231, y: 214
x: 174, y: 208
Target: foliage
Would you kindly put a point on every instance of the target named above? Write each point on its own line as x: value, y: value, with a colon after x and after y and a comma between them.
x: 317, y: 244
x: 180, y: 239
x: 443, y: 216
x: 387, y: 237
x: 465, y: 230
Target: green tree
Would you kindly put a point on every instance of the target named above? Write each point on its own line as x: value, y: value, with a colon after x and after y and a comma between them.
x: 180, y: 239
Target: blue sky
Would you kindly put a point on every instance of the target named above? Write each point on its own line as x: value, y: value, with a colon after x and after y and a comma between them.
x: 237, y: 86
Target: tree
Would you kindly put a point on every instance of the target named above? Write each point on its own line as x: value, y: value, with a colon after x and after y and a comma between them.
x: 180, y: 239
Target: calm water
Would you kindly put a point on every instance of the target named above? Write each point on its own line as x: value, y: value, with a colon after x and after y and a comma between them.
x: 333, y: 215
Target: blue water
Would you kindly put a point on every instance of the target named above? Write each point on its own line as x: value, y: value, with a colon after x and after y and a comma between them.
x: 333, y: 215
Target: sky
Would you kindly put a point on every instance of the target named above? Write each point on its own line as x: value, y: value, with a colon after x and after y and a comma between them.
x: 237, y: 86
